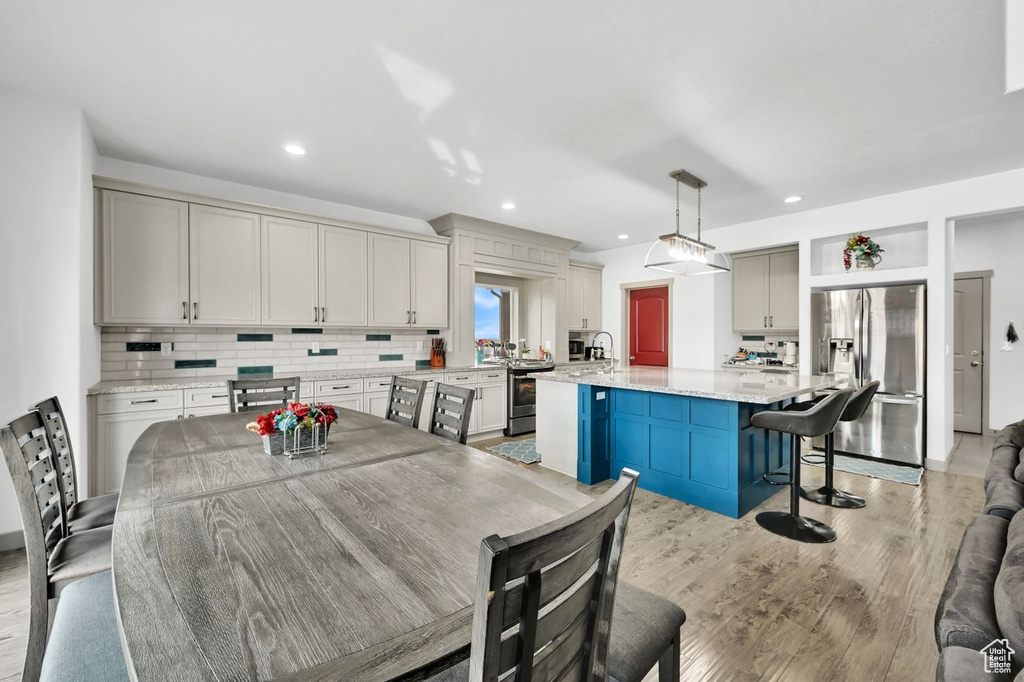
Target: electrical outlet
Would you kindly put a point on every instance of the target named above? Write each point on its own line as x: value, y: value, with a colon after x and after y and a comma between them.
x: 547, y: 344
x: 166, y: 348
x: 316, y: 348
x: 419, y: 345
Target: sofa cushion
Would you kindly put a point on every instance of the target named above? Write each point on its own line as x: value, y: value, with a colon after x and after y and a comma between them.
x: 1004, y: 463
x: 1009, y: 590
x: 966, y: 615
x: 1004, y: 497
x: 960, y: 664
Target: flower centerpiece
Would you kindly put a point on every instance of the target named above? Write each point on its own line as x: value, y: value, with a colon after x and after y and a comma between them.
x: 862, y: 249
x: 299, y: 422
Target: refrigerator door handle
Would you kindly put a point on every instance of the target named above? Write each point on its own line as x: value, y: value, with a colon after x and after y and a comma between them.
x: 897, y: 399
x: 862, y: 332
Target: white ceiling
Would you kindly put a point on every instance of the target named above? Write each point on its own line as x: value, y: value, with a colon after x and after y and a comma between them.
x: 575, y: 110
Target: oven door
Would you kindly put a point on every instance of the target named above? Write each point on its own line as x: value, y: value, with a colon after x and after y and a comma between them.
x: 523, y: 396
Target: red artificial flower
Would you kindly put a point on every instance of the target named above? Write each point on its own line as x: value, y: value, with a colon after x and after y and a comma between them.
x: 300, y: 410
x: 328, y: 415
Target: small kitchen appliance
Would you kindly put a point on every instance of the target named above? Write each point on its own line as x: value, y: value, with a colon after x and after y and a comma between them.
x: 576, y: 347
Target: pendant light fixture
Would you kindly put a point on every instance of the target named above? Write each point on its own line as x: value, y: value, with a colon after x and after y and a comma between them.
x: 681, y: 255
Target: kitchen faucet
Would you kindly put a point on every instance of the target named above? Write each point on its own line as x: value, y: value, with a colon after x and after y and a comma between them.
x: 611, y: 350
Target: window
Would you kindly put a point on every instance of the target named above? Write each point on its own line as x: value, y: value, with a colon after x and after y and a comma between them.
x: 493, y: 313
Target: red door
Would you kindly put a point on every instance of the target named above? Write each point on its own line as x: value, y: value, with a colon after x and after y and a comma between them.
x: 648, y: 327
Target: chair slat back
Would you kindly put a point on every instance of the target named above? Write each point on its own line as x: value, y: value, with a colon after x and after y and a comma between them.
x: 544, y: 597
x: 453, y: 407
x: 249, y: 395
x: 405, y: 401
x: 56, y: 426
x: 30, y: 459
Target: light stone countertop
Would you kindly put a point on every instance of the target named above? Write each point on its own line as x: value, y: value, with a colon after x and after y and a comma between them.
x: 763, y: 388
x: 171, y: 384
x: 759, y: 368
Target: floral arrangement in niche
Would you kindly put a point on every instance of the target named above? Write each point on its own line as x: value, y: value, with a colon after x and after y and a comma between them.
x: 863, y: 250
x: 295, y: 415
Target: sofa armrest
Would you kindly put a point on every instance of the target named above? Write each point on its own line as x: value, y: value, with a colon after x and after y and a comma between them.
x: 1004, y: 497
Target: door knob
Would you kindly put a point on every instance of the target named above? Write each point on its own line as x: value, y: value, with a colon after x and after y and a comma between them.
x: 632, y: 358
x: 975, y: 363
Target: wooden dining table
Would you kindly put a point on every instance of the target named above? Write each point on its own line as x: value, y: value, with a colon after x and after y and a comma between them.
x: 359, y: 563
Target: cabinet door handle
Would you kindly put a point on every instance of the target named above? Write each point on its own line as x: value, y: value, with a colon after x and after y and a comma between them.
x: 195, y: 310
x: 184, y: 310
x: 141, y: 402
x: 766, y: 321
x: 408, y: 317
x: 414, y: 317
x: 323, y: 314
x: 771, y: 320
x: 219, y: 396
x: 338, y: 388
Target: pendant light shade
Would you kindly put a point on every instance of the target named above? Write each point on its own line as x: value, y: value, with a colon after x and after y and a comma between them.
x: 681, y: 255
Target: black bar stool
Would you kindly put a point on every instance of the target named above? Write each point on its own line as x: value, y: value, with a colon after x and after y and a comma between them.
x: 818, y: 420
x: 828, y: 494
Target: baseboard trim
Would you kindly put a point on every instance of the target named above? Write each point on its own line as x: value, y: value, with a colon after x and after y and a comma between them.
x: 936, y: 464
x: 15, y: 539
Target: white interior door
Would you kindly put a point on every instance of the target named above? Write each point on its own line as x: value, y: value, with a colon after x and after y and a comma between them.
x: 429, y: 295
x: 145, y: 260
x: 968, y: 354
x: 290, y: 279
x: 224, y: 266
x: 390, y: 277
x: 342, y: 277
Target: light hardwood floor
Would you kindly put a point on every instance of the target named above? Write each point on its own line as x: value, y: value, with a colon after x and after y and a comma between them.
x: 760, y: 607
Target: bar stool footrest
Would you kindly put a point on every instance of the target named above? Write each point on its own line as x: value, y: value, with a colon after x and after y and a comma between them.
x: 777, y: 478
x: 813, y: 458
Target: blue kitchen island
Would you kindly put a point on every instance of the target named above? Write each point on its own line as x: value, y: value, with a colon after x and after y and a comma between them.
x: 687, y: 432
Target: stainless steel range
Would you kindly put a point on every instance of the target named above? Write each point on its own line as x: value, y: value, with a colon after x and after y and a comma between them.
x: 522, y: 395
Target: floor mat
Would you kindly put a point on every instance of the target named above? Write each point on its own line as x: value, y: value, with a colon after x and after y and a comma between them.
x: 875, y: 469
x: 520, y: 450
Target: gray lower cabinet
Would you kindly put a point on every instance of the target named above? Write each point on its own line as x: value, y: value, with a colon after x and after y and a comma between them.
x: 765, y: 291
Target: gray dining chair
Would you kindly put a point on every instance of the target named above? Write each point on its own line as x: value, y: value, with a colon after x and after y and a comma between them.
x: 453, y: 408
x: 55, y: 559
x: 405, y: 400
x: 248, y: 395
x: 549, y: 605
x: 78, y: 514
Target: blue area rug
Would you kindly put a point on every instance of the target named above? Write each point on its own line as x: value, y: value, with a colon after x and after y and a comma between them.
x: 875, y: 469
x: 520, y: 450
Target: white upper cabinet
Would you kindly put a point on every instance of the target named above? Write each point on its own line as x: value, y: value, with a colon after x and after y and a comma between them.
x: 429, y: 296
x: 592, y: 298
x: 290, y: 281
x: 765, y: 291
x: 390, y: 281
x: 584, y: 298
x: 343, y: 290
x: 224, y: 266
x: 144, y: 260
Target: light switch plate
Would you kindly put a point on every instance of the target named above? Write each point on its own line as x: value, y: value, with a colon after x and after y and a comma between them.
x: 166, y: 348
x: 316, y: 348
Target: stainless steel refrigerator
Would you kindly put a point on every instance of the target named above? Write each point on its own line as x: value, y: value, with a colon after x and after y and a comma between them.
x: 868, y: 334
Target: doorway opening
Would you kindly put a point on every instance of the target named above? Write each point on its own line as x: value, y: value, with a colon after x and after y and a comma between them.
x: 648, y: 323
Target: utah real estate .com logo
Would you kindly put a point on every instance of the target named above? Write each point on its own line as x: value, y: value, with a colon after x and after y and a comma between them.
x: 997, y: 656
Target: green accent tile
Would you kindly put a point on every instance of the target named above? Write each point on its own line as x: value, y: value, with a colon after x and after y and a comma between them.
x: 255, y: 337
x: 423, y: 364
x: 307, y: 330
x: 753, y: 337
x: 194, y: 364
x: 258, y: 369
x: 434, y: 332
x: 378, y: 337
x: 142, y: 347
x: 390, y: 358
x: 323, y: 351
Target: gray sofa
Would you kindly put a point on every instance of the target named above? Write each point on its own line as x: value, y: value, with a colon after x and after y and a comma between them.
x: 983, y: 600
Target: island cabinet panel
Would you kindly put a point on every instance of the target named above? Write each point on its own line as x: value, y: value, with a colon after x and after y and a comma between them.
x: 698, y: 450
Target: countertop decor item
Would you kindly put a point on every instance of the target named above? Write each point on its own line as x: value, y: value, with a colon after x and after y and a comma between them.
x: 437, y: 353
x: 295, y: 430
x: 863, y: 251
x: 681, y: 255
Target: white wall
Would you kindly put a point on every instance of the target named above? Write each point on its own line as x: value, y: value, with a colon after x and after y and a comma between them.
x: 700, y: 334
x: 232, y: 191
x: 48, y: 345
x: 997, y: 243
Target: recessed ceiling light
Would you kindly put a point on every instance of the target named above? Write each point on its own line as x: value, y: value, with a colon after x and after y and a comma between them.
x: 793, y: 199
x: 295, y: 149
x: 623, y: 236
x: 508, y: 206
